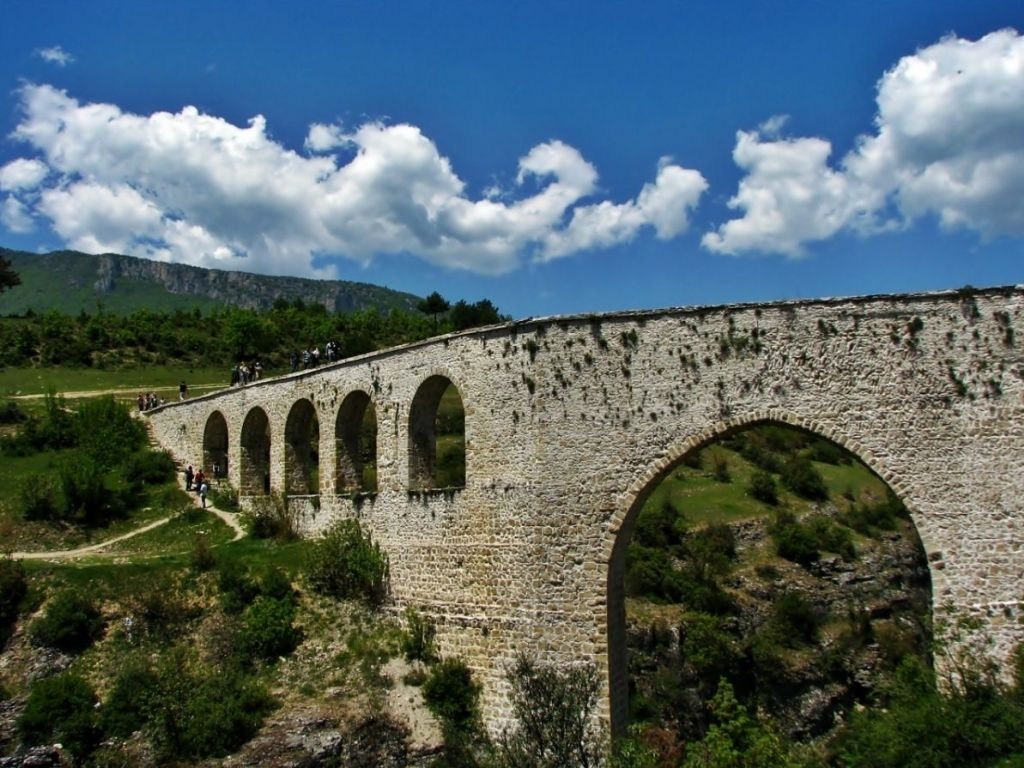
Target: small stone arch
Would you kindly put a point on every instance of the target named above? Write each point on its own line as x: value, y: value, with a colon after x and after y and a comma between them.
x: 215, y: 446
x: 355, y: 438
x: 302, y: 449
x: 621, y: 529
x: 254, y: 478
x: 437, y: 436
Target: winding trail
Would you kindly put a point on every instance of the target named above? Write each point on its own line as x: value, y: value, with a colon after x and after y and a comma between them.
x: 93, y: 549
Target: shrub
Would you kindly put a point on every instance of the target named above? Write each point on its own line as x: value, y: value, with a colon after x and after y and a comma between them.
x: 347, y: 563
x: 868, y: 518
x: 149, y: 468
x: 71, y: 622
x: 84, y: 492
x: 125, y: 710
x: 199, y: 713
x: 268, y: 630
x: 793, y: 540
x: 762, y: 487
x: 275, y: 583
x: 795, y: 620
x: 201, y: 558
x: 720, y: 468
x: 39, y: 498
x: 13, y: 588
x: 159, y: 611
x: 452, y: 695
x: 418, y: 638
x: 11, y: 413
x: 803, y: 479
x: 237, y: 586
x: 224, y: 497
x: 61, y: 709
x: 553, y: 711
x: 269, y: 518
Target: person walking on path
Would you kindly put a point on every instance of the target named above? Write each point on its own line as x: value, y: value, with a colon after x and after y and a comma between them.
x: 204, y: 488
x: 182, y: 390
x: 189, y: 474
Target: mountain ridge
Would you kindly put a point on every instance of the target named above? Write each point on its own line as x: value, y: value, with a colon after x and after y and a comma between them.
x: 73, y: 282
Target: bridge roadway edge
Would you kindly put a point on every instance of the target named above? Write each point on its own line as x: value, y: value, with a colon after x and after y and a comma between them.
x: 570, y: 420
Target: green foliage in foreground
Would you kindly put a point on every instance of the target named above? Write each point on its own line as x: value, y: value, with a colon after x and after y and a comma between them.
x: 71, y: 622
x: 61, y: 709
x: 13, y: 587
x: 553, y: 709
x: 102, y: 467
x: 347, y: 564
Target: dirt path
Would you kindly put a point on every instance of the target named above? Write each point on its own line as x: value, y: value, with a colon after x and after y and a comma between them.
x: 129, y: 392
x: 70, y: 554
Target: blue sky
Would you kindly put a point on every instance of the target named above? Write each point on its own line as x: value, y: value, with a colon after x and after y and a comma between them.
x: 553, y: 157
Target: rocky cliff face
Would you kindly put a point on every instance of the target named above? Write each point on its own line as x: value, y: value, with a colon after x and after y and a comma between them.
x: 62, y: 279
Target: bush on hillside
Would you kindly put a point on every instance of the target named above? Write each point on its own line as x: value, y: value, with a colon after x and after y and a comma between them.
x: 803, y: 479
x: 553, y: 709
x: 762, y: 487
x: 40, y: 498
x: 346, y: 563
x: 452, y: 695
x: 61, y: 709
x: 268, y: 630
x: 71, y: 622
x: 13, y: 588
x: 198, y: 712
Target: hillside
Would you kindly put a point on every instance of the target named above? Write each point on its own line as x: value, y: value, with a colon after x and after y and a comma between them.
x: 72, y: 282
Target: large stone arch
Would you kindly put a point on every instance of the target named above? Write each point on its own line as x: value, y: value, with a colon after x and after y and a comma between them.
x: 302, y: 449
x: 620, y: 531
x: 254, y: 477
x: 355, y: 438
x: 215, y: 445
x: 424, y: 470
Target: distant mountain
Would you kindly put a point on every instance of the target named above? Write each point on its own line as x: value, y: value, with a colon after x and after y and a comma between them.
x: 71, y: 282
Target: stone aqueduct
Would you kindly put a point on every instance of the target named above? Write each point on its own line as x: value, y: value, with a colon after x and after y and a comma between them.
x: 570, y: 422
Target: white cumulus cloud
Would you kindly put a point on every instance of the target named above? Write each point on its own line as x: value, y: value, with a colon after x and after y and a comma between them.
x: 55, y: 55
x: 948, y: 143
x: 192, y: 187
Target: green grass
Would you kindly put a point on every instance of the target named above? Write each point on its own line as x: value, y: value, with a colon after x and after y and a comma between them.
x: 703, y: 499
x: 36, y: 536
x: 178, y: 536
x: 163, y: 380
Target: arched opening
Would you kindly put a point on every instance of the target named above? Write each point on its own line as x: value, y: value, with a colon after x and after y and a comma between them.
x: 302, y: 450
x: 254, y: 478
x: 355, y: 435
x: 773, y: 561
x: 437, y: 436
x: 215, y: 446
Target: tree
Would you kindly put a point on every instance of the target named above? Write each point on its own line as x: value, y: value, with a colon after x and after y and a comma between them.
x: 8, y: 277
x: 434, y: 305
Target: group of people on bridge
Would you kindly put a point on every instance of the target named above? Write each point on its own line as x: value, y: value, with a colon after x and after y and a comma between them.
x: 244, y: 373
x: 310, y: 356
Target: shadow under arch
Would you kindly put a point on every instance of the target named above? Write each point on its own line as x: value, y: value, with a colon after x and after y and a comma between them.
x: 437, y: 436
x: 355, y: 437
x: 622, y: 526
x: 254, y: 478
x: 215, y: 445
x: 302, y: 449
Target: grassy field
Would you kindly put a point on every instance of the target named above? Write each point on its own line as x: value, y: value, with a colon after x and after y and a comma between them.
x: 159, y: 379
x: 702, y: 498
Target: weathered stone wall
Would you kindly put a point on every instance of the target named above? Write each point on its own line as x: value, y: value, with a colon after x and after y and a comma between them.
x: 571, y: 421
